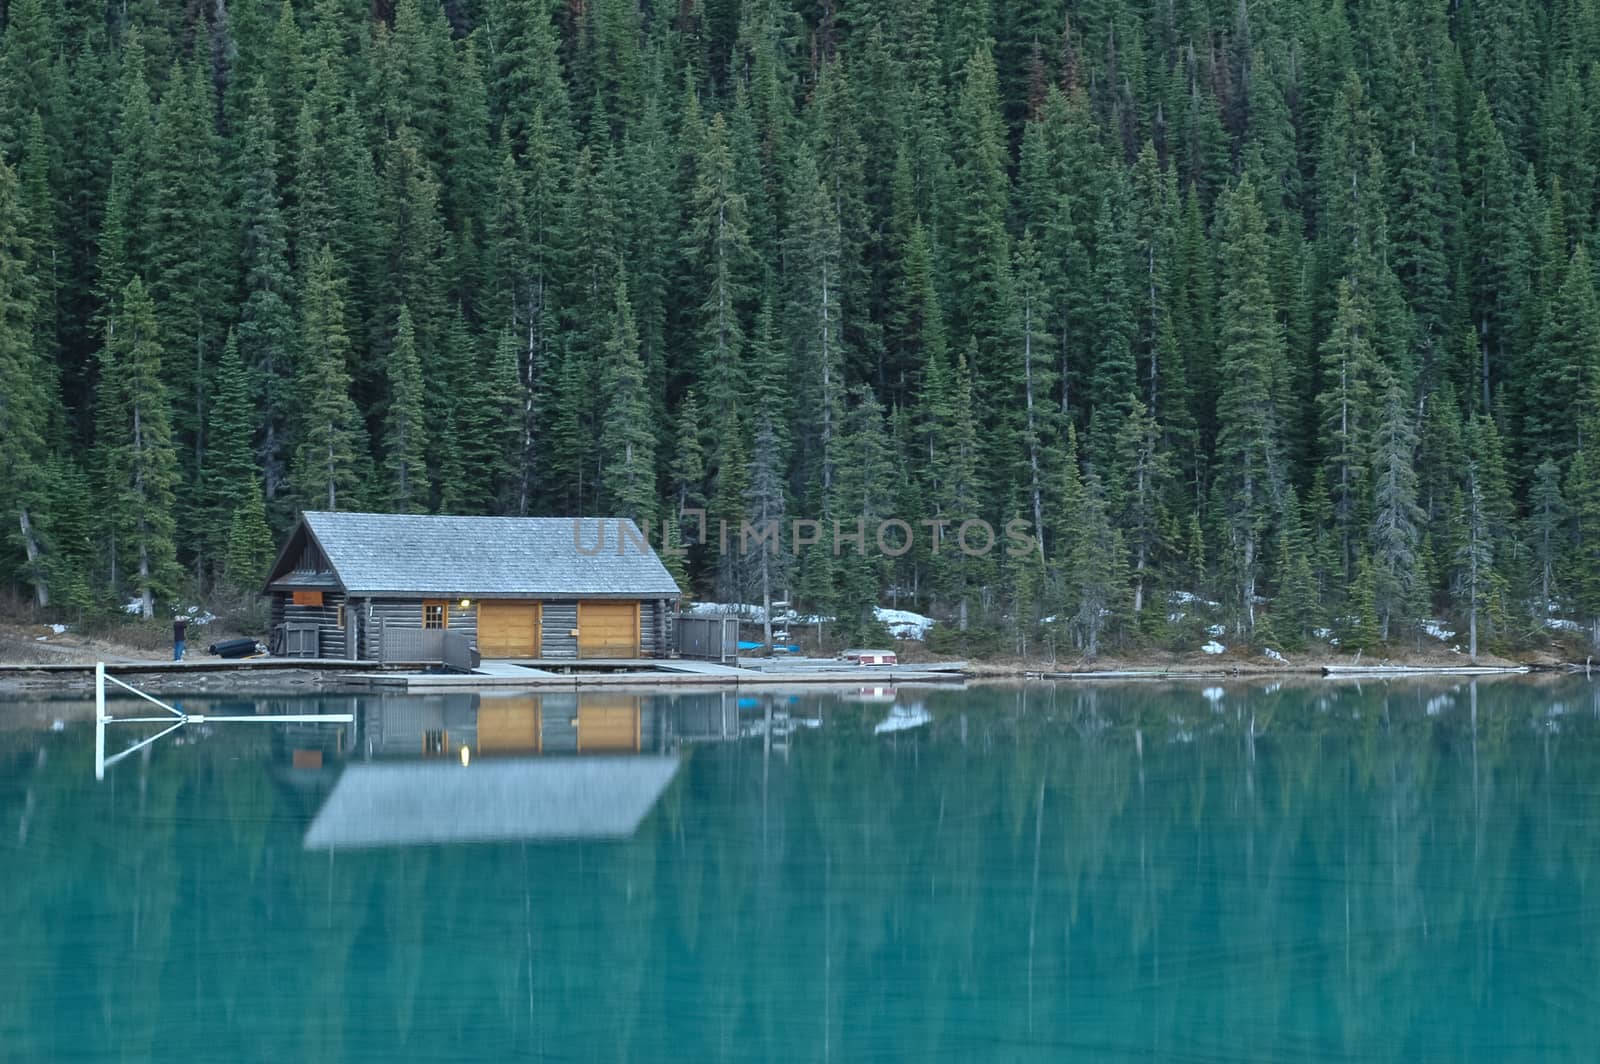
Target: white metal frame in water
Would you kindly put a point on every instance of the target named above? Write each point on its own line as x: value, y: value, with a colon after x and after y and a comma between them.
x: 175, y: 719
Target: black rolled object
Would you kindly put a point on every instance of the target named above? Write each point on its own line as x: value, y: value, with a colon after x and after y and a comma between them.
x: 233, y: 648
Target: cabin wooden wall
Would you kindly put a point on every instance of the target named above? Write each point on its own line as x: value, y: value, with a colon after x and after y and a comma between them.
x: 558, y: 621
x: 407, y: 613
x: 330, y: 637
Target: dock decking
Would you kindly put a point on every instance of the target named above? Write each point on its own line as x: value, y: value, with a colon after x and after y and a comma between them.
x: 660, y: 672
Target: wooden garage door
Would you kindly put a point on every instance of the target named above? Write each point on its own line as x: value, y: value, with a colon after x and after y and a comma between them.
x: 608, y: 629
x: 608, y: 724
x: 508, y: 629
x: 508, y: 726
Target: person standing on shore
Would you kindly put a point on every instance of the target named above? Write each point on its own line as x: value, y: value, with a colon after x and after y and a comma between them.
x: 180, y: 627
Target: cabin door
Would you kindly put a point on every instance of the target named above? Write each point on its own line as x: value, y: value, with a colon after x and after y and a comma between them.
x: 508, y: 629
x: 608, y: 724
x: 608, y: 629
x: 509, y: 726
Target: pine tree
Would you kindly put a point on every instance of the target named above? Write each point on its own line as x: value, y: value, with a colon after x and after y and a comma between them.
x: 627, y: 442
x: 767, y: 508
x: 126, y: 233
x: 330, y: 454
x: 1397, y: 519
x: 816, y: 319
x: 249, y: 550
x: 1099, y: 567
x: 719, y: 248
x: 1546, y: 519
x: 1347, y: 412
x: 230, y: 467
x: 1565, y: 360
x: 405, y: 424
x: 1583, y: 570
x: 1249, y: 465
x: 1114, y: 378
x: 28, y: 74
x: 1295, y: 611
x: 1146, y: 470
x: 24, y: 397
x: 266, y: 322
x: 139, y: 461
x: 979, y: 256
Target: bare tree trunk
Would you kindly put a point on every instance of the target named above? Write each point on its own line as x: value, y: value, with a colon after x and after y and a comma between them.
x: 1472, y: 604
x: 1033, y: 435
x: 30, y: 544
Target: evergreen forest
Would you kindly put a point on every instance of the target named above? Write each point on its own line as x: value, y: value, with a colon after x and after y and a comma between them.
x: 1288, y: 305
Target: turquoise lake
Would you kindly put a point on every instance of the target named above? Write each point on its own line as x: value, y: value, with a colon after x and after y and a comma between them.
x: 1246, y: 872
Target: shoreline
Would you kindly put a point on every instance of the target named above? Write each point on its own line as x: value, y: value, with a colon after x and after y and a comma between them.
x: 262, y: 674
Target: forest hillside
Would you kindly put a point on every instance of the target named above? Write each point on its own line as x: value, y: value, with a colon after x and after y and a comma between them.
x: 1285, y: 304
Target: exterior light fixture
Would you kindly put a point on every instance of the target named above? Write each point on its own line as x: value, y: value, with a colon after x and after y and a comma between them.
x: 465, y: 603
x: 466, y: 755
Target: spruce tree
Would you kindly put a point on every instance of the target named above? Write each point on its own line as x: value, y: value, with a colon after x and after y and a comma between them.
x: 627, y: 441
x: 138, y: 457
x: 1546, y: 519
x: 266, y: 331
x: 231, y: 469
x: 249, y: 548
x: 24, y: 398
x: 1565, y: 361
x: 330, y: 453
x: 1249, y: 464
x: 1397, y: 519
x: 1347, y: 414
x: 405, y: 425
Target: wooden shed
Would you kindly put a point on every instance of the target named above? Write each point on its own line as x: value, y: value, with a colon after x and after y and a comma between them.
x: 360, y: 585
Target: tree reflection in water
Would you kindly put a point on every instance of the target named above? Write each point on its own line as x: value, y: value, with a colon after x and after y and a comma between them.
x: 1375, y: 872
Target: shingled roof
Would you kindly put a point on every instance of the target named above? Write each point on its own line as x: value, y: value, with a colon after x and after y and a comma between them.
x: 482, y: 557
x: 424, y: 804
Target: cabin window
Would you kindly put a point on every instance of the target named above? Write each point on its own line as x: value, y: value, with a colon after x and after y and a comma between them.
x: 435, y: 614
x: 435, y: 743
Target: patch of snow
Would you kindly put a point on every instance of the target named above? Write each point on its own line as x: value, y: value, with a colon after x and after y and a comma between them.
x: 901, y: 718
x: 1215, y: 629
x: 1213, y: 694
x: 903, y: 624
x: 1561, y: 624
x: 1175, y: 616
x: 40, y: 638
x: 59, y: 629
x: 1438, y: 630
x: 134, y: 606
x: 1274, y: 655
x: 1322, y: 633
x: 1188, y: 598
x: 749, y: 612
x: 1213, y: 647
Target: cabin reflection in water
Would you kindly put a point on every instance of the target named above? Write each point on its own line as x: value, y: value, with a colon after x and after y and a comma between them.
x: 478, y: 768
x: 520, y: 725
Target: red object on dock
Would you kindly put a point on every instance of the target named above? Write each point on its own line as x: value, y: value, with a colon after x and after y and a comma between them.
x: 871, y: 657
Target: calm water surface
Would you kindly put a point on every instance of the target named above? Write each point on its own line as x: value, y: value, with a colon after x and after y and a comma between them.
x: 1391, y: 872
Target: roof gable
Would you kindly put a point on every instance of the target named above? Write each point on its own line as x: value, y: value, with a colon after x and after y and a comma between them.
x: 536, y: 557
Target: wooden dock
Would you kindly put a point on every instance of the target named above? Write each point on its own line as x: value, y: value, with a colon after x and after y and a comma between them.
x: 1365, y: 672
x: 206, y: 665
x: 662, y: 672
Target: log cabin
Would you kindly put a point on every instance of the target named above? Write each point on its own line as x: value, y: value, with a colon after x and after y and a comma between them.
x: 372, y: 586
